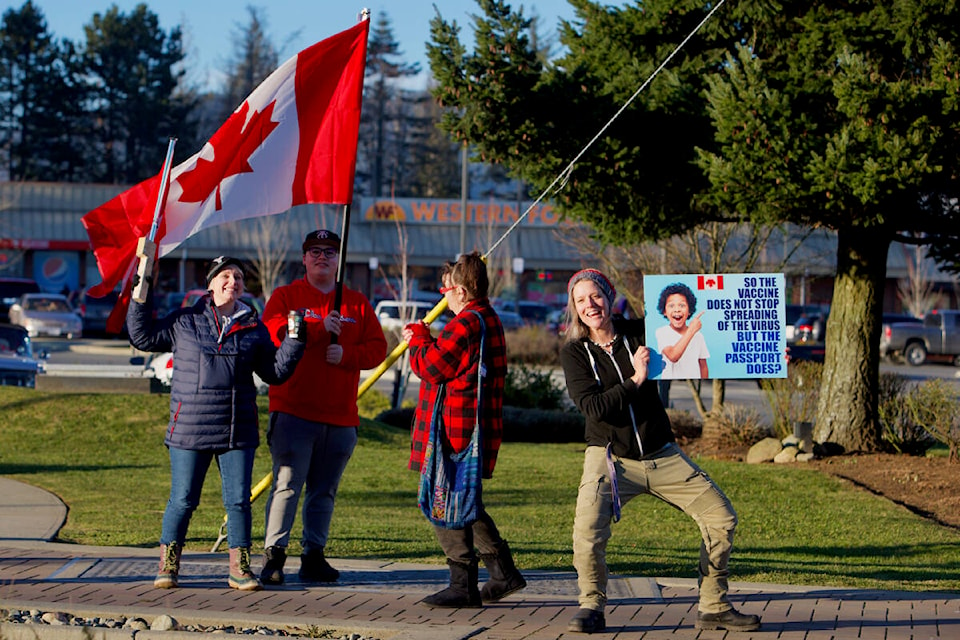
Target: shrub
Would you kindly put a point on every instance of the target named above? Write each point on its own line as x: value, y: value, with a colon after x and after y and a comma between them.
x: 372, y: 402
x: 686, y: 426
x: 538, y: 425
x: 519, y: 425
x: 900, y: 432
x: 794, y: 398
x: 529, y: 388
x: 934, y: 406
x: 740, y: 425
x: 533, y: 345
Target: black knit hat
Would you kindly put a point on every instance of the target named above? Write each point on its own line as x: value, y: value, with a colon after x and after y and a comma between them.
x: 222, y: 262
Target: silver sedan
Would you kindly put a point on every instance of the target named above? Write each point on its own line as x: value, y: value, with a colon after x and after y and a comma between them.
x: 46, y: 314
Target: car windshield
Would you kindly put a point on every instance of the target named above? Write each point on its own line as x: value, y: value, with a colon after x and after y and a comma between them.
x: 49, y: 305
x: 14, y: 341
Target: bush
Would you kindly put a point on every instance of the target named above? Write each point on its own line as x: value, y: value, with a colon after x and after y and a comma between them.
x: 533, y: 345
x: 900, y: 432
x: 794, y: 398
x: 686, y: 426
x: 372, y: 402
x: 934, y: 406
x: 519, y: 425
x: 741, y: 425
x: 532, y: 389
x: 537, y: 425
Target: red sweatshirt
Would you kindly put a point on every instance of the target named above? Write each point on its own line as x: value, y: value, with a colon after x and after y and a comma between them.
x: 318, y: 391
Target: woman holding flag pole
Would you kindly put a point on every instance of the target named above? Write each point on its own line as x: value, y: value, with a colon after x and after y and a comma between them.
x: 218, y: 344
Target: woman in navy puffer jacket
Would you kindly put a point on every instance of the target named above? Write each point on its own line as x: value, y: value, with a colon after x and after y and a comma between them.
x: 218, y: 344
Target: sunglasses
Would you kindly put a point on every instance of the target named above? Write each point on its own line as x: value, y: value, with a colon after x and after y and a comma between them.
x: 444, y: 290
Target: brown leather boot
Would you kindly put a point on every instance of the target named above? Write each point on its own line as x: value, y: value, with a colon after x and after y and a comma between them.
x: 169, y: 566
x: 241, y: 576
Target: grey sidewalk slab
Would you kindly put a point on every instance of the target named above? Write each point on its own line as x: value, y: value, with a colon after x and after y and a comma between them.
x: 29, y: 513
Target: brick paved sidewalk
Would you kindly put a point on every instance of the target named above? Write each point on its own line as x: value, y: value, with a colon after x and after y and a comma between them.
x: 381, y: 599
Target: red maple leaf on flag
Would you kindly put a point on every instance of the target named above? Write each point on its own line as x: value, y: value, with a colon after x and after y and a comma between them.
x: 233, y: 144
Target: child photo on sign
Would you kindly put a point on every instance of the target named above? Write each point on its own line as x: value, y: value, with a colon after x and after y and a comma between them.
x: 680, y: 341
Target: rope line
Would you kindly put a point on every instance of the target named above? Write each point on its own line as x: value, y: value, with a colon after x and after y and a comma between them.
x: 564, y: 175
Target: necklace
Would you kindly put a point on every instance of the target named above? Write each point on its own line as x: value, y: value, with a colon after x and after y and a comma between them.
x: 606, y: 345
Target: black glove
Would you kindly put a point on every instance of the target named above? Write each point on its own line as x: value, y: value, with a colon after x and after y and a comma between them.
x: 295, y: 326
x: 135, y: 282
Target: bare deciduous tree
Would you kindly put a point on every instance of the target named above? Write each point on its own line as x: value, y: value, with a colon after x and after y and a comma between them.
x: 916, y: 291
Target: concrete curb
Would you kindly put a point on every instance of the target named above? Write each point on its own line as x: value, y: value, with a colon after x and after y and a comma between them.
x: 310, y: 626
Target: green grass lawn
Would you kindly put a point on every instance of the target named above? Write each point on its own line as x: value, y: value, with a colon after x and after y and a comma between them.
x: 104, y: 456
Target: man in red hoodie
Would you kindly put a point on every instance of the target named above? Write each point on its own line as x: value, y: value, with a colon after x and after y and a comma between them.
x: 313, y: 416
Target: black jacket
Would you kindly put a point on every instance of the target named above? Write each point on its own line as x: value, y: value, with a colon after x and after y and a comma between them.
x: 606, y: 404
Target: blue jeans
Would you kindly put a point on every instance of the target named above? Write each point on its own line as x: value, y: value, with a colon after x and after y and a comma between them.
x: 187, y: 471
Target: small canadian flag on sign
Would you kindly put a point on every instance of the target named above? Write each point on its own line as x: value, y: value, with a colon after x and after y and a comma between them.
x: 710, y: 282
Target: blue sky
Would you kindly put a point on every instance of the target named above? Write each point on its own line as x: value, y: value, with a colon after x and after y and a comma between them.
x: 292, y: 24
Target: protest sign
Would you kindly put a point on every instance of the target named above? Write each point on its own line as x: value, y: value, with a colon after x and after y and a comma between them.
x: 727, y: 325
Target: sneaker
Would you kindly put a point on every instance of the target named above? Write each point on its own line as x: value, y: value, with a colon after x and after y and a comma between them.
x: 587, y: 621
x: 731, y: 620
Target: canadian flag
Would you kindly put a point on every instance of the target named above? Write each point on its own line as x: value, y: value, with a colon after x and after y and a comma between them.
x: 713, y: 281
x: 293, y: 141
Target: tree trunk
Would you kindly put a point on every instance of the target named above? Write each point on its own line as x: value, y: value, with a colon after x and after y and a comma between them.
x: 847, y: 413
x: 712, y: 435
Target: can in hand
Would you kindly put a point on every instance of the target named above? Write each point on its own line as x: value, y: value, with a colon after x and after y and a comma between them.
x: 295, y: 328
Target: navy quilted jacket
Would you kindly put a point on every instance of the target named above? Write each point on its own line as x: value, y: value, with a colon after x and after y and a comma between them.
x: 213, y: 398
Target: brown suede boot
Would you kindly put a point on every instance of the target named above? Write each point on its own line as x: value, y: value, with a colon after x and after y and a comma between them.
x: 241, y: 576
x: 169, y: 566
x: 504, y: 576
x: 462, y: 592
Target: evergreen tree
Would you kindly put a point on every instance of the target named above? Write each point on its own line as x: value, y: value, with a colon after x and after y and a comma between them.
x: 255, y: 57
x: 842, y: 115
x: 40, y: 101
x: 134, y: 71
x: 389, y: 123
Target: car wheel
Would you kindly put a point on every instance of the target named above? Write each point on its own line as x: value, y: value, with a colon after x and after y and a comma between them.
x: 915, y: 354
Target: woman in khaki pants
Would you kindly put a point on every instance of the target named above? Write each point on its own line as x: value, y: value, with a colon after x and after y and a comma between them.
x: 631, y: 451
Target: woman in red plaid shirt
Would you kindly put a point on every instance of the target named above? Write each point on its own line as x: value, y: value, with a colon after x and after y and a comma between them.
x: 452, y: 359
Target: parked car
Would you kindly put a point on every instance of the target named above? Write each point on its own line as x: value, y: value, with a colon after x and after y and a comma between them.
x: 11, y: 289
x: 19, y: 365
x: 937, y: 336
x: 811, y: 327
x: 394, y: 315
x: 794, y: 312
x: 46, y: 314
x: 95, y: 312
x: 511, y: 320
x: 531, y: 313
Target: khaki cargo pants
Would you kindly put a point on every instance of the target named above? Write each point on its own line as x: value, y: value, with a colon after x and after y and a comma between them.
x: 674, y: 478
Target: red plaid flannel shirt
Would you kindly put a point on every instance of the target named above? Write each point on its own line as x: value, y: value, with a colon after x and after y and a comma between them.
x: 452, y: 359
